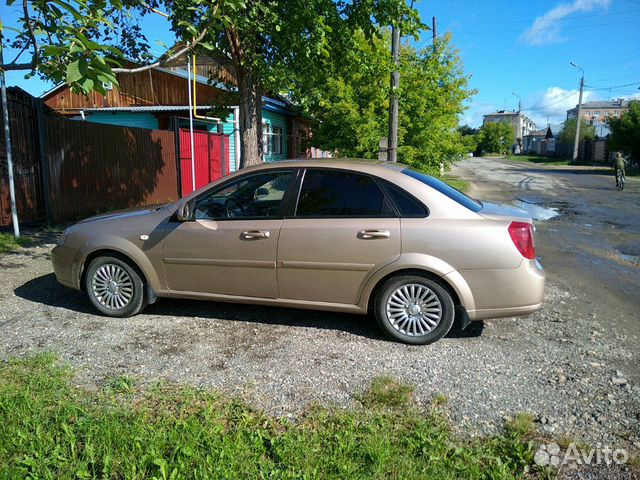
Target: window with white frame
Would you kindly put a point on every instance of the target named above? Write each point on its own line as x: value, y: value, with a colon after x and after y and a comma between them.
x: 276, y: 140
x: 266, y: 139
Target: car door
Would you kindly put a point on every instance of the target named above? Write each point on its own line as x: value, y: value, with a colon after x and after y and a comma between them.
x: 229, y: 245
x: 343, y: 229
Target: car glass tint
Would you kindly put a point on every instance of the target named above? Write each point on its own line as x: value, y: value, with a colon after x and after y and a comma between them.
x: 408, y: 206
x: 445, y: 189
x: 327, y: 193
x: 252, y: 196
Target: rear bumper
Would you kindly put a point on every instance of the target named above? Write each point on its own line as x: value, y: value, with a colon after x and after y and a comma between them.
x: 506, y: 292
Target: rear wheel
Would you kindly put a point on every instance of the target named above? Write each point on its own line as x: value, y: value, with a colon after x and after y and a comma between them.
x: 414, y: 309
x: 114, y: 287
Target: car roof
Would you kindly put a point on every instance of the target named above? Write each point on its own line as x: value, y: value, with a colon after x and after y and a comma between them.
x: 342, y: 163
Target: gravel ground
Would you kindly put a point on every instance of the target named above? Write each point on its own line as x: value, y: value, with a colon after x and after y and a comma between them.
x: 559, y: 364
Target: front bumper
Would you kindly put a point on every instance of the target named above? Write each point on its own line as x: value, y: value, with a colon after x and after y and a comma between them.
x: 65, y: 267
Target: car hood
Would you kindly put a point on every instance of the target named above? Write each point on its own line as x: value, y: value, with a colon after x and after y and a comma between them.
x: 495, y: 211
x: 122, y: 214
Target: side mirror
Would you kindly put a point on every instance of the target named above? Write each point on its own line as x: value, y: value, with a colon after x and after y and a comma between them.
x: 184, y: 212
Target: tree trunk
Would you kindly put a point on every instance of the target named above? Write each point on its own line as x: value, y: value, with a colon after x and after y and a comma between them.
x: 250, y: 121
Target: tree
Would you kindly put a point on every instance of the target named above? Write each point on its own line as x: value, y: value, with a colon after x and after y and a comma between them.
x: 625, y: 131
x: 272, y: 44
x: 351, y: 101
x: 568, y: 132
x: 496, y: 137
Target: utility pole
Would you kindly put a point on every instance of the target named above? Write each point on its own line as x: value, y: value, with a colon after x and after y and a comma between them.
x: 392, y: 146
x: 434, y: 32
x: 576, y: 143
x: 7, y: 147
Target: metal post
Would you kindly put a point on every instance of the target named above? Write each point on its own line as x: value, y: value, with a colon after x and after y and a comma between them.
x: 576, y: 143
x: 7, y: 144
x: 392, y: 148
x: 193, y: 159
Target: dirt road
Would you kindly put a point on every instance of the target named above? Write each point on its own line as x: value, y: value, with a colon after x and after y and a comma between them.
x: 594, y: 242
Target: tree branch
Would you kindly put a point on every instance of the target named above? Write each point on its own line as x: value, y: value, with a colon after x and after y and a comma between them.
x: 164, y: 59
x: 32, y: 35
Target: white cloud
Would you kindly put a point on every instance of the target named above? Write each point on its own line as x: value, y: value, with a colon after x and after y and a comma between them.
x: 551, y: 105
x: 473, y: 116
x: 546, y: 29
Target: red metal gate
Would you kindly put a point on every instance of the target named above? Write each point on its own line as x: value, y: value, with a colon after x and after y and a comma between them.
x: 211, y: 158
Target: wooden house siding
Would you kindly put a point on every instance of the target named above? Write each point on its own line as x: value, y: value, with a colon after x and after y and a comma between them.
x: 153, y: 87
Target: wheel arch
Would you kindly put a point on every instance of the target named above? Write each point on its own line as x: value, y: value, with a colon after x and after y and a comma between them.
x: 101, y: 252
x: 437, y: 270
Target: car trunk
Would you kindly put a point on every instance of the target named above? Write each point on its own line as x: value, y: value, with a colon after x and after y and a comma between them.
x: 506, y: 212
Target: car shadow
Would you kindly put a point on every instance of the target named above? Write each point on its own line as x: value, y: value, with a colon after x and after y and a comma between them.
x: 46, y: 290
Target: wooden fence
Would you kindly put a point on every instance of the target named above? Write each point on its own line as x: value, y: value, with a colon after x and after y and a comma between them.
x: 94, y: 168
x: 65, y: 169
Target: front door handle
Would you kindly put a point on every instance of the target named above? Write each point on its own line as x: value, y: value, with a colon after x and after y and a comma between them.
x: 254, y: 234
x: 373, y: 234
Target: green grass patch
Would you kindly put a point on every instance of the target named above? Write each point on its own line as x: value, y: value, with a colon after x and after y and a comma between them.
x: 538, y: 160
x: 455, y: 182
x: 51, y: 429
x: 8, y: 242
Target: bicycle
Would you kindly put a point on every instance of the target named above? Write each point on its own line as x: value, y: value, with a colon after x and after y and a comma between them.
x: 620, y: 180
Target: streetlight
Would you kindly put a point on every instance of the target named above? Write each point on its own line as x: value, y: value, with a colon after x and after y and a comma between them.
x: 576, y: 143
x: 519, y: 100
x: 520, y: 122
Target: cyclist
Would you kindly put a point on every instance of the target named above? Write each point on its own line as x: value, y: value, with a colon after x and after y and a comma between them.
x: 619, y: 163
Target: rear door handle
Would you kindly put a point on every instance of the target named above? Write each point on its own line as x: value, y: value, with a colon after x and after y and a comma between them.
x: 254, y: 234
x: 373, y: 234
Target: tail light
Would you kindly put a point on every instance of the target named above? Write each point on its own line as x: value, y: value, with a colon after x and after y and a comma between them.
x: 522, y: 235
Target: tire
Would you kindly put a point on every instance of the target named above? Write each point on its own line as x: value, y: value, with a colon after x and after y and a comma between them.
x: 410, y: 321
x: 114, y: 287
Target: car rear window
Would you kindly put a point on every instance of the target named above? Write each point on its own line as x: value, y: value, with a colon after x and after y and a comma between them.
x: 445, y: 189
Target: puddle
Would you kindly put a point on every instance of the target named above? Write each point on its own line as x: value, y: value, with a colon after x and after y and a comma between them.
x: 536, y: 211
x: 630, y: 258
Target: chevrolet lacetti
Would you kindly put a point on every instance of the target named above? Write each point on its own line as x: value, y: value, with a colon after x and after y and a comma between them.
x: 332, y: 235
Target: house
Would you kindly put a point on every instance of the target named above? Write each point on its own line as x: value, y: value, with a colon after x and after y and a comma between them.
x: 598, y: 112
x: 541, y: 142
x: 159, y: 99
x: 521, y: 124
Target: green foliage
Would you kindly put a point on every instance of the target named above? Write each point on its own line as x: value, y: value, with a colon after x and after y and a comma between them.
x: 8, y: 242
x: 568, y: 132
x: 78, y: 42
x: 351, y: 101
x: 496, y: 137
x: 625, y: 131
x: 54, y: 430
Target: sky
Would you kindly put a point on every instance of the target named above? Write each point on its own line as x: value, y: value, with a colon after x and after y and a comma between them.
x: 507, y: 47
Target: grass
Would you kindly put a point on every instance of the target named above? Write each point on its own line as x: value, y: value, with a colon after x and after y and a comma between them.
x: 54, y: 430
x: 455, y: 182
x: 537, y: 160
x: 8, y: 242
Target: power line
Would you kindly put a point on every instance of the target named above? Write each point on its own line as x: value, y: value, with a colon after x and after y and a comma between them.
x: 525, y: 22
x: 613, y: 87
x: 552, y: 104
x: 552, y: 28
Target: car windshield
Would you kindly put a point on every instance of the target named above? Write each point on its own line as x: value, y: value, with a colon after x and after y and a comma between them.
x: 445, y: 189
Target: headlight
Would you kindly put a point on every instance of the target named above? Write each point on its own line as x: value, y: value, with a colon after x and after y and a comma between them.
x: 63, y: 237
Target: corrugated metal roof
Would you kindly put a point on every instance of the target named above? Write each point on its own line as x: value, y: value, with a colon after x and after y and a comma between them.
x: 149, y: 108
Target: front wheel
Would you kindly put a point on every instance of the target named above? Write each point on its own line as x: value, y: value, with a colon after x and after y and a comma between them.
x: 414, y: 309
x: 114, y: 287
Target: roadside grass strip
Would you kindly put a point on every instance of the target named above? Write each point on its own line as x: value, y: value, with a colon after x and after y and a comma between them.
x: 8, y: 242
x: 52, y: 429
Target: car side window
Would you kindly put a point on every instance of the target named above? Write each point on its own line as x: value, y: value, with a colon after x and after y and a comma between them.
x: 406, y: 204
x: 338, y: 193
x: 259, y: 195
